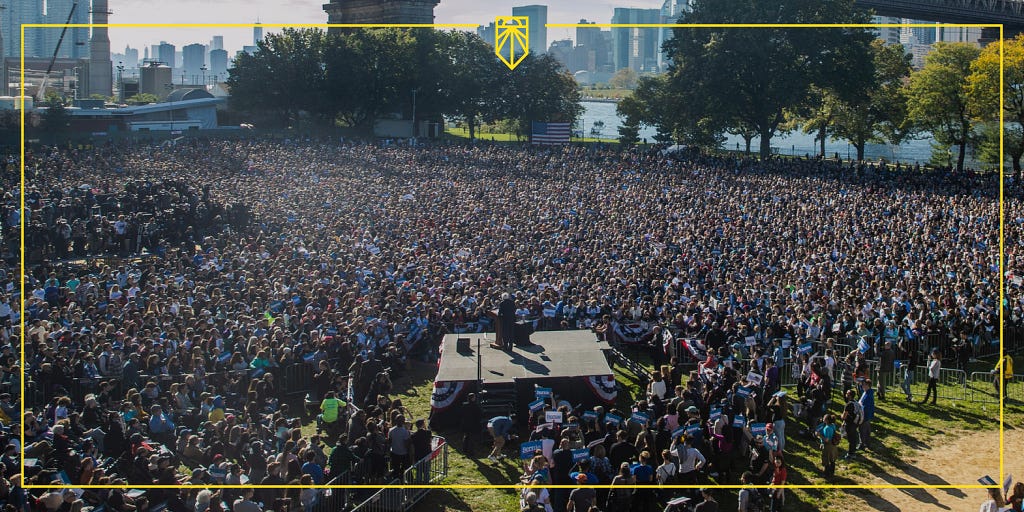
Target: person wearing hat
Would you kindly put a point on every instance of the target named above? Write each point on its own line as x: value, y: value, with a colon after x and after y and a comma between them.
x: 582, y: 497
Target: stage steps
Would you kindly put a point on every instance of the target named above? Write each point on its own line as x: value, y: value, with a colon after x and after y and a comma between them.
x: 498, y: 399
x: 639, y: 373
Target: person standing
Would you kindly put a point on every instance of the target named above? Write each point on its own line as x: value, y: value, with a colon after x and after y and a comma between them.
x: 709, y: 504
x: 507, y: 316
x: 867, y: 402
x: 399, y: 444
x: 829, y: 451
x: 934, y: 367
x: 886, y: 363
x: 852, y: 414
x: 1006, y: 365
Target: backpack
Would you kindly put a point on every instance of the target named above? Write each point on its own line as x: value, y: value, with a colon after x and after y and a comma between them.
x: 858, y: 409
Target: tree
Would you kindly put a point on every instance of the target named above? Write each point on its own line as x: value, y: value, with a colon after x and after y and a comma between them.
x: 983, y: 93
x: 540, y: 89
x: 285, y: 75
x: 748, y: 77
x: 143, y: 98
x: 624, y: 78
x: 56, y: 119
x: 473, y: 85
x: 881, y: 114
x: 937, y: 96
x: 370, y: 72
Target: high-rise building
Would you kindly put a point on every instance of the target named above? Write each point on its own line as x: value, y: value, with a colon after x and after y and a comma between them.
x: 257, y: 34
x: 217, y: 43
x: 538, y: 30
x: 75, y: 44
x: 593, y: 48
x: 219, y: 65
x: 194, y: 60
x: 486, y: 33
x: 379, y: 11
x: 671, y: 10
x: 923, y: 35
x: 18, y: 13
x: 131, y: 57
x: 635, y: 48
x: 890, y: 35
x: 165, y: 53
x: 101, y: 72
x: 561, y: 50
x: 949, y: 34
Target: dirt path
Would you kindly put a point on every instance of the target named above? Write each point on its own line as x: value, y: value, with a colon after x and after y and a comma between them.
x: 959, y: 458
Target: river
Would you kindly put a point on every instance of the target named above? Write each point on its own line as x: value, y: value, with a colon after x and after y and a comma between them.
x: 795, y: 143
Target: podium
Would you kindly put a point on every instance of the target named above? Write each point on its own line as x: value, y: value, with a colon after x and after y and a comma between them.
x: 499, y: 338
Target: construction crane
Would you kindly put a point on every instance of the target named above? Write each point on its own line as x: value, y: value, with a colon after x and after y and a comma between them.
x: 41, y: 93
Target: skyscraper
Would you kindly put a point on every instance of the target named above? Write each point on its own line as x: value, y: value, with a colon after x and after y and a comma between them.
x: 131, y: 57
x: 76, y: 40
x: 257, y: 34
x: 591, y: 42
x: 635, y: 48
x: 671, y: 10
x: 538, y: 32
x: 194, y: 59
x: 165, y: 53
x: 891, y: 35
x: 101, y: 72
x: 219, y: 65
x: 486, y: 32
x: 17, y: 14
x: 217, y: 43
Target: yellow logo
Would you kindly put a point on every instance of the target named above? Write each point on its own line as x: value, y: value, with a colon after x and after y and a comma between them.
x: 511, y: 39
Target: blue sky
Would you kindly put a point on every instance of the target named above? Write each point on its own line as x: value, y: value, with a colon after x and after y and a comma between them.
x: 310, y: 11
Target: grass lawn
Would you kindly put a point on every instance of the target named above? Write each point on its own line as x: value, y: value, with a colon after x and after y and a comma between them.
x: 902, y: 428
x: 463, y: 133
x: 617, y: 94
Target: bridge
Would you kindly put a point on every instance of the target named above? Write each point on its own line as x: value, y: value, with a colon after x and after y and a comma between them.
x: 1010, y: 13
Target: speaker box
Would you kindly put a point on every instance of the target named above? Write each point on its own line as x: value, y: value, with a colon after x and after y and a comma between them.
x: 462, y: 346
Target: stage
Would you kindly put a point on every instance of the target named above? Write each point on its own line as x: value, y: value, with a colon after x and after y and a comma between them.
x: 572, y: 363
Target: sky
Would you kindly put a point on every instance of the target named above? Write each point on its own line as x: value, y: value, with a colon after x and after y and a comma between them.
x: 311, y: 11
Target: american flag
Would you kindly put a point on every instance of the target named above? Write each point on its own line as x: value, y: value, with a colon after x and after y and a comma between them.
x: 551, y: 133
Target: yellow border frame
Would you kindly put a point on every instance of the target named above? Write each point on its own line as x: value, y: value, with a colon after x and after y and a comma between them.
x: 550, y: 26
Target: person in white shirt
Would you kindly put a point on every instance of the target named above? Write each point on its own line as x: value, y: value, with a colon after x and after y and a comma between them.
x: 934, y: 366
x: 994, y: 503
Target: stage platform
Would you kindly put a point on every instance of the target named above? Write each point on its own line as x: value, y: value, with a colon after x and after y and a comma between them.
x: 553, y: 354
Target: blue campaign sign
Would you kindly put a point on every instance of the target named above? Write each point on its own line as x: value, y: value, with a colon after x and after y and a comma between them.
x: 542, y: 392
x: 738, y: 421
x: 679, y: 432
x: 692, y: 429
x: 758, y: 429
x: 863, y: 345
x: 804, y: 348
x: 589, y: 415
x: 580, y: 454
x: 536, y: 405
x: 527, y: 449
x: 743, y: 391
x: 614, y: 419
x: 715, y: 413
x: 640, y: 417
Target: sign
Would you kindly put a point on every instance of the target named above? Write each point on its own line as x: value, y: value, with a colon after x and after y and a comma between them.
x: 613, y: 419
x: 692, y: 429
x: 580, y: 454
x: 750, y: 341
x: 754, y: 378
x: 511, y: 39
x: 1006, y: 484
x: 863, y: 346
x: 640, y: 417
x: 715, y: 413
x: 743, y: 391
x: 804, y: 348
x: 589, y: 415
x: 542, y: 392
x: 536, y: 405
x: 738, y: 421
x: 679, y: 432
x: 527, y: 449
x: 553, y: 416
x: 759, y: 429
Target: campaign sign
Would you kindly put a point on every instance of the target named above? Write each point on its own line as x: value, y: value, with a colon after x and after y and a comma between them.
x: 715, y: 413
x: 542, y: 392
x: 759, y: 429
x: 580, y: 454
x: 863, y: 345
x: 553, y: 416
x: 589, y: 415
x: 679, y: 432
x: 693, y: 429
x: 750, y: 341
x: 640, y: 417
x: 527, y: 449
x: 536, y: 405
x: 738, y: 421
x: 804, y: 348
x: 743, y: 391
x: 754, y: 378
x: 614, y: 419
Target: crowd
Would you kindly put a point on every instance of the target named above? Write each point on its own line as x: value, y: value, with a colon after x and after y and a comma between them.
x: 178, y: 283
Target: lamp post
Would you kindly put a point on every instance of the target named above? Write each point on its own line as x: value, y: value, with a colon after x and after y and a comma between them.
x: 414, y: 91
x: 203, y: 69
x: 120, y: 81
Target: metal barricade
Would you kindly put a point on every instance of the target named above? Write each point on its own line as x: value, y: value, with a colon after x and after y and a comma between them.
x: 952, y: 383
x: 1015, y: 388
x: 298, y: 379
x: 430, y: 470
x: 983, y: 389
